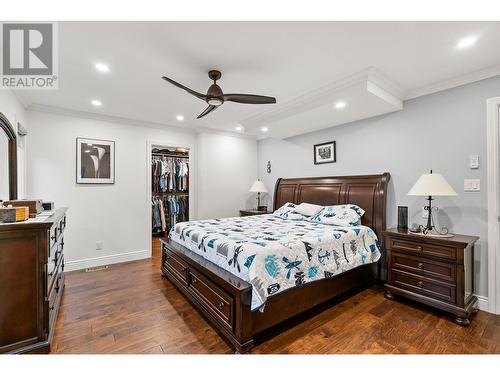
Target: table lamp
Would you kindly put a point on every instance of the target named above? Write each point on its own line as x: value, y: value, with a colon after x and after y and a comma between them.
x: 258, y: 187
x: 429, y: 185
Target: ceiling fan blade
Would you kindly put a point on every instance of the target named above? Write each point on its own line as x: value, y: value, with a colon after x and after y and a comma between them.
x: 249, y: 99
x: 207, y: 110
x: 192, y: 92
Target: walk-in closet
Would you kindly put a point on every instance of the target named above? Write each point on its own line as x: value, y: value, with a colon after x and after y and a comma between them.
x: 170, y: 173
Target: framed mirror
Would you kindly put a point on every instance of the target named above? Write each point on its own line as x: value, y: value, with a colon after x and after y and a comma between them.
x: 8, y: 160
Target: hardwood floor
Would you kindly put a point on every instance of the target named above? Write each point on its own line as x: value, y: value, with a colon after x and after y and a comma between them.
x: 130, y: 308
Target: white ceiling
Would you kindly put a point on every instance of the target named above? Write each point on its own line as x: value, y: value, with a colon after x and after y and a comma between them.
x: 288, y: 60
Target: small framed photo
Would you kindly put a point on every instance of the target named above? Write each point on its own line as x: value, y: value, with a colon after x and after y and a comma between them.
x: 95, y: 161
x: 325, y: 153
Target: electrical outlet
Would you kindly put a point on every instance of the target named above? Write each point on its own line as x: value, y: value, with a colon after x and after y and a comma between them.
x: 472, y: 185
x: 98, y: 245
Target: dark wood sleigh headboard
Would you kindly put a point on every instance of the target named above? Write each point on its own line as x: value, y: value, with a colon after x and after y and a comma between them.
x: 368, y: 192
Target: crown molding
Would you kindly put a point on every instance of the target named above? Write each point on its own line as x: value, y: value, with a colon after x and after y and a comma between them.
x: 24, y: 99
x: 321, y: 95
x: 107, y: 118
x: 461, y: 80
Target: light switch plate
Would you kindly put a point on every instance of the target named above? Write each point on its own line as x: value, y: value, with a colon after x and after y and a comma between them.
x: 472, y: 185
x: 474, y: 162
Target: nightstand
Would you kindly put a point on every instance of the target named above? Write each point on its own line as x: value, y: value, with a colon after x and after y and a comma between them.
x: 435, y: 271
x: 253, y: 212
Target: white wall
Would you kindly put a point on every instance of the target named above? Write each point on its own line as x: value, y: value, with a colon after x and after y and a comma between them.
x: 119, y: 215
x: 12, y: 108
x: 438, y: 131
x: 227, y: 167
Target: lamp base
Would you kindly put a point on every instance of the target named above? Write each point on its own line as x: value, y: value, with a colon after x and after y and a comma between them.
x: 432, y: 234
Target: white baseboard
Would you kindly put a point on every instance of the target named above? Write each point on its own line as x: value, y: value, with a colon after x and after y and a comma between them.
x: 482, y: 303
x: 74, y: 265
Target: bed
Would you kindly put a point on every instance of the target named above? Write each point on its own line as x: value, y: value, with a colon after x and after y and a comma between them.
x: 236, y: 291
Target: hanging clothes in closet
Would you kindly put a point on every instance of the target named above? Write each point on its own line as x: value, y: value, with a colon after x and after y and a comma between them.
x: 170, y: 188
x: 169, y: 210
x: 169, y: 174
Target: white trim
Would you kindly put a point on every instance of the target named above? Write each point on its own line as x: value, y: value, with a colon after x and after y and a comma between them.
x: 74, y: 265
x: 482, y: 303
x: 323, y: 94
x: 492, y: 140
x: 107, y: 118
x: 461, y: 80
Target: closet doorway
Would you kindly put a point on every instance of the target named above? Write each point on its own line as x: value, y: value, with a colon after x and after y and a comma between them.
x: 171, y: 189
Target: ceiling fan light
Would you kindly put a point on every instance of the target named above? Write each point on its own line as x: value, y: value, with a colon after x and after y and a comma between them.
x: 215, y: 101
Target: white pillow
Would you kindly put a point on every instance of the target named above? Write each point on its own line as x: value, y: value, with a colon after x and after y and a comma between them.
x: 286, y: 212
x: 308, y: 209
x: 344, y: 215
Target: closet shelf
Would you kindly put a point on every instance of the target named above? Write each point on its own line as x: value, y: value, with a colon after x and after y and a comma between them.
x: 174, y: 193
x: 170, y: 155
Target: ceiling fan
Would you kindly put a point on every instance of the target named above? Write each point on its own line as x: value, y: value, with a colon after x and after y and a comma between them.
x: 215, y: 97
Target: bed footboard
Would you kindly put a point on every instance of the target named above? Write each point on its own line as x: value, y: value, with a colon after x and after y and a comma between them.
x: 222, y: 298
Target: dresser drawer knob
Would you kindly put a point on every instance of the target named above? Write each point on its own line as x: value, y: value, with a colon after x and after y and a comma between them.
x: 195, y: 281
x: 420, y: 284
x: 419, y: 248
x: 421, y: 266
x: 221, y: 306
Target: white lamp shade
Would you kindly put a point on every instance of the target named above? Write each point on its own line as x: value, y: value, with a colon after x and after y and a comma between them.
x: 258, y: 187
x: 432, y: 184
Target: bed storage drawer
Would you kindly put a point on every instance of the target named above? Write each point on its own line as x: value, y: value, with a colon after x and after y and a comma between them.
x: 177, y: 267
x: 218, y: 302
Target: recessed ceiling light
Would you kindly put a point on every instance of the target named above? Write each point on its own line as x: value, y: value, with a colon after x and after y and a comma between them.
x: 340, y: 104
x: 180, y: 118
x: 467, y: 42
x: 264, y: 129
x: 103, y: 68
x: 239, y: 128
x: 96, y: 102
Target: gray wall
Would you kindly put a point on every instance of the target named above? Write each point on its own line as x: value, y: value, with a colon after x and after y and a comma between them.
x: 438, y: 131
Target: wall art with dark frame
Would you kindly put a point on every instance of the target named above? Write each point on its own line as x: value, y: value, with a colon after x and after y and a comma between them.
x: 325, y: 153
x: 95, y: 161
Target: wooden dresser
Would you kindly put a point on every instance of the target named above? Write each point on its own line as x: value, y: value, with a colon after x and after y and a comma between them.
x: 435, y: 271
x: 31, y: 282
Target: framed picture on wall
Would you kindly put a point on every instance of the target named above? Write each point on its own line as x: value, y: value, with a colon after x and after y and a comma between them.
x: 95, y: 161
x: 325, y: 153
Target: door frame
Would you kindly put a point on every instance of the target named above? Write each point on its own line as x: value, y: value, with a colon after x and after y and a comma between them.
x: 192, y: 177
x: 493, y: 173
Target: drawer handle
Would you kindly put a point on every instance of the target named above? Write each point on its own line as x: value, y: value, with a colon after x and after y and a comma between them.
x: 194, y: 281
x: 419, y: 248
x: 420, y: 284
x: 52, y: 307
x: 167, y: 257
x: 421, y: 266
x: 221, y: 306
x: 50, y: 274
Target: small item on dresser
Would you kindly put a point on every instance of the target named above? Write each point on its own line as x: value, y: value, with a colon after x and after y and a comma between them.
x: 402, y: 217
x: 7, y: 215
x: 22, y: 213
x: 48, y: 206
x: 35, y: 205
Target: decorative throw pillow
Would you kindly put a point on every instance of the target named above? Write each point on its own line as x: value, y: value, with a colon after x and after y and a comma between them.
x: 286, y: 212
x: 308, y: 209
x: 346, y: 215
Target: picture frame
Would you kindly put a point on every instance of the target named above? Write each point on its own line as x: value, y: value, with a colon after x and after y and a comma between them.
x: 325, y: 153
x: 95, y: 161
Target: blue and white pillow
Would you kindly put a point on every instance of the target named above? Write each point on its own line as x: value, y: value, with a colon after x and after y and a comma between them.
x: 345, y: 215
x: 286, y: 212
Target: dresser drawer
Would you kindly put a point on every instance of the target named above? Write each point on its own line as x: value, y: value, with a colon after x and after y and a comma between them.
x: 216, y: 300
x: 424, y: 267
x: 53, y: 272
x: 419, y: 248
x: 177, y: 267
x: 424, y: 286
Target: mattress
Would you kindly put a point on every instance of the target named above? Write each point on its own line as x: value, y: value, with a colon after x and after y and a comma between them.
x: 275, y: 254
